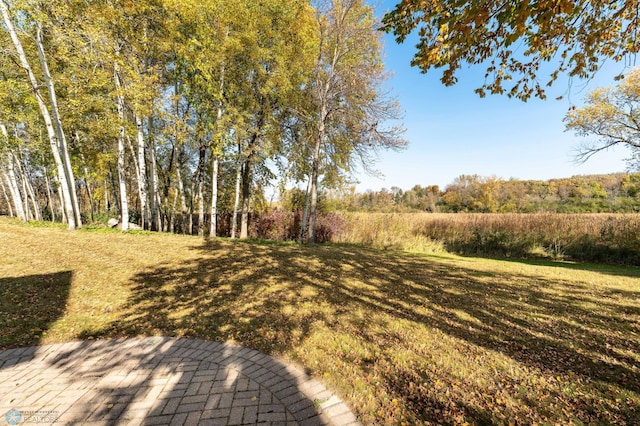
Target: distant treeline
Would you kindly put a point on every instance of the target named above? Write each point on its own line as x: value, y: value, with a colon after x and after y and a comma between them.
x: 613, y: 193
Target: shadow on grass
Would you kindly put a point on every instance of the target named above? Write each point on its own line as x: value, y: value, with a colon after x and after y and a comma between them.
x: 29, y: 305
x: 275, y: 297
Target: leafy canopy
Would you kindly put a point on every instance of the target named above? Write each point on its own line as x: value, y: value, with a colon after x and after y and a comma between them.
x: 612, y: 115
x: 514, y: 38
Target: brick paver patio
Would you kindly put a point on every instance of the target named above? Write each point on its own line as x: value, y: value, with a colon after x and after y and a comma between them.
x: 160, y: 381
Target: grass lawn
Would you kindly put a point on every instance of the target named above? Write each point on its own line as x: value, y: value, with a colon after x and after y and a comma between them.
x: 401, y: 337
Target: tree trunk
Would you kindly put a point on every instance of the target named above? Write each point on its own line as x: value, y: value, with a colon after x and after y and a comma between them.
x: 89, y: 194
x: 236, y: 203
x: 8, y: 176
x: 62, y: 140
x: 10, y: 179
x: 172, y: 219
x: 110, y: 188
x: 305, y: 214
x: 174, y: 157
x: 213, y: 222
x: 107, y: 201
x: 60, y: 165
x: 183, y: 198
x: 124, y: 205
x: 156, y: 220
x: 47, y: 183
x: 122, y: 183
x: 63, y: 212
x: 87, y: 185
x: 214, y: 197
x: 190, y: 213
x: 19, y: 176
x: 14, y: 189
x: 247, y: 180
x: 314, y: 184
x: 169, y: 210
x: 142, y: 174
x: 6, y: 196
x: 28, y: 191
x: 200, y: 188
x: 134, y: 153
x: 123, y: 201
x: 25, y: 195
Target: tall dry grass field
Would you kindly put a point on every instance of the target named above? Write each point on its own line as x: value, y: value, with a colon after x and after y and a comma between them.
x: 611, y: 238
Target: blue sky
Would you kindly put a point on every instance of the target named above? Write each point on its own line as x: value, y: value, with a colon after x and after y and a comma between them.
x: 451, y: 131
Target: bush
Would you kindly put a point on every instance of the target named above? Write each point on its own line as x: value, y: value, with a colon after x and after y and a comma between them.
x: 276, y: 225
x: 328, y: 225
x: 281, y: 225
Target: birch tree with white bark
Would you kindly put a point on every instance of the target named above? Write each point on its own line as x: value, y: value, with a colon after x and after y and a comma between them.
x: 351, y: 115
x: 54, y: 129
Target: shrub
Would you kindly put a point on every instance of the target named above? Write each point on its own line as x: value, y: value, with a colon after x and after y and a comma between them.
x: 276, y: 225
x: 281, y: 225
x: 328, y: 225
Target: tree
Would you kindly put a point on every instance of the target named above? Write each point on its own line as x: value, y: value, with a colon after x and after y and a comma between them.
x: 80, y: 54
x: 50, y: 114
x: 612, y: 115
x: 161, y: 104
x: 349, y: 108
x: 138, y: 33
x: 8, y: 177
x: 277, y: 58
x: 514, y: 38
x: 206, y: 42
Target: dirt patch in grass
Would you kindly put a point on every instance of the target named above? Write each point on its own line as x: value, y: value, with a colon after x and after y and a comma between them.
x: 402, y: 337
